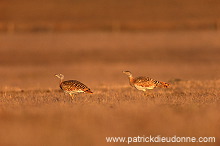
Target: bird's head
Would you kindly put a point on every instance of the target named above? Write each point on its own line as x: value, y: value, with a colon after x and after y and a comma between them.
x: 60, y: 76
x: 128, y: 73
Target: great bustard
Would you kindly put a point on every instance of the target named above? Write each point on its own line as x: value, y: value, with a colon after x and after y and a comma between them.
x: 72, y: 87
x: 144, y: 83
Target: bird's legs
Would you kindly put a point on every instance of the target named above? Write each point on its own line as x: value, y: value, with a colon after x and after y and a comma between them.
x: 147, y: 93
x: 72, y: 96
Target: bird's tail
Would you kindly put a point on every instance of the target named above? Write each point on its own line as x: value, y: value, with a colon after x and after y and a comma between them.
x: 163, y: 85
x: 88, y: 91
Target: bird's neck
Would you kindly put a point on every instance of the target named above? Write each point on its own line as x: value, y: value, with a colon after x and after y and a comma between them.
x: 131, y: 80
x: 61, y: 80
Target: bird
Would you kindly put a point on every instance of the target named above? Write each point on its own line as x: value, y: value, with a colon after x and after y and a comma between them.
x: 144, y: 83
x: 72, y: 87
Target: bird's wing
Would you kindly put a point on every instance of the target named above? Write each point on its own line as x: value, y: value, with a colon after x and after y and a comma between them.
x: 73, y: 85
x: 145, y: 82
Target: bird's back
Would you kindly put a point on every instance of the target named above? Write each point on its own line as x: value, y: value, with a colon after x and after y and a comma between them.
x: 148, y: 83
x: 74, y: 86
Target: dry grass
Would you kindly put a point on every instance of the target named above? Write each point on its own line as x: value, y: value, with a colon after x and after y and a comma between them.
x: 48, y: 117
x: 33, y: 111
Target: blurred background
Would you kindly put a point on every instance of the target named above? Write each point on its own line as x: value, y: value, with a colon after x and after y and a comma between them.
x: 85, y: 38
x: 104, y: 15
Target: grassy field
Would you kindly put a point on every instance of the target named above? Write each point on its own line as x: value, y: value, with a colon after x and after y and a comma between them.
x: 33, y: 111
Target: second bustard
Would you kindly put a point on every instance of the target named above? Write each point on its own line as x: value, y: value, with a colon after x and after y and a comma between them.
x: 144, y: 83
x: 72, y: 87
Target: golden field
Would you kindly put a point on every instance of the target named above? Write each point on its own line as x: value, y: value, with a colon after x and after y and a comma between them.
x: 33, y: 110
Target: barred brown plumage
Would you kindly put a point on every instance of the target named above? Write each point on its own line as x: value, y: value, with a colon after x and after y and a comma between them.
x: 72, y: 87
x: 144, y: 83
